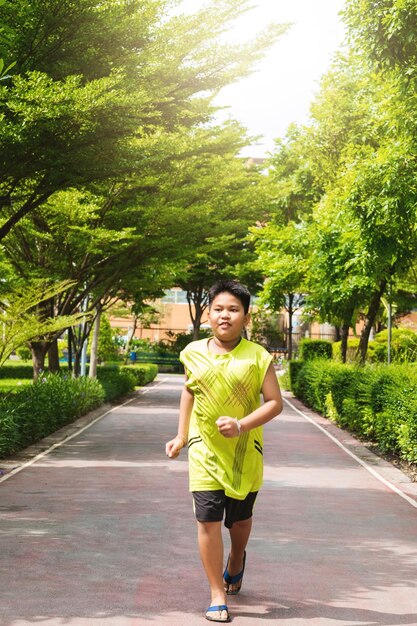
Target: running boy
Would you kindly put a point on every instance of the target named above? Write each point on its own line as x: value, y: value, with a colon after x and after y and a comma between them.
x: 221, y: 419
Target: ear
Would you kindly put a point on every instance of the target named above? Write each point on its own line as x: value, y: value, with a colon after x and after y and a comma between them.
x: 247, y: 319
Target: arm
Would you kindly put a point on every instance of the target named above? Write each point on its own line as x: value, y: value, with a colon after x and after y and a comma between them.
x: 173, y: 447
x: 271, y: 407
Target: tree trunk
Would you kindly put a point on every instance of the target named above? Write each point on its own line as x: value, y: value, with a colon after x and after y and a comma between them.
x: 290, y: 310
x: 94, y: 345
x: 130, y: 334
x: 370, y: 319
x: 344, y: 334
x: 70, y: 349
x: 77, y: 363
x: 53, y: 357
x: 198, y: 298
x: 39, y: 350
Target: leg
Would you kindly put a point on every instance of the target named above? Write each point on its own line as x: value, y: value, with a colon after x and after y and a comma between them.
x: 239, y: 537
x: 210, y: 545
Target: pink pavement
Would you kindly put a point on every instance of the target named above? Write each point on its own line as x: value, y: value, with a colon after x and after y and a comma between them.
x: 100, y: 531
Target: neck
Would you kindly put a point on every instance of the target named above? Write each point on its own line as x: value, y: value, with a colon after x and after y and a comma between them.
x: 218, y: 345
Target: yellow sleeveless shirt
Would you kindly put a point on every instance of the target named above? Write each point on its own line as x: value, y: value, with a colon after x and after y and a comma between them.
x: 224, y: 384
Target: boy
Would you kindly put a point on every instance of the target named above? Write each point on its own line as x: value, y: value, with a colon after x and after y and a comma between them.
x: 221, y: 419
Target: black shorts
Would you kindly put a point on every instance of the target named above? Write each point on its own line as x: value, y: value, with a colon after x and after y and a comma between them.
x: 210, y: 506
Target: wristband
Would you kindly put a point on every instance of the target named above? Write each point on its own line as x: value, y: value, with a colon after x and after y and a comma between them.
x: 239, y: 426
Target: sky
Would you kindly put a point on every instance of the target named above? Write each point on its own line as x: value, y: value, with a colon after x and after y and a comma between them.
x: 281, y: 89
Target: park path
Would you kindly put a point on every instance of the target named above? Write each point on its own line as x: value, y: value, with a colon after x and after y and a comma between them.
x: 100, y: 531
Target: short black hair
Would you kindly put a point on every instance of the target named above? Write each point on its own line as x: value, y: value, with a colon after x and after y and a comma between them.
x: 234, y: 287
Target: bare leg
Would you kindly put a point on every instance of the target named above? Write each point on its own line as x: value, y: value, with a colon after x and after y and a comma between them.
x: 210, y: 544
x: 239, y: 536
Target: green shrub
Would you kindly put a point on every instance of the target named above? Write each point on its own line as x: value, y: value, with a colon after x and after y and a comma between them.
x: 313, y: 383
x: 376, y: 402
x: 350, y: 392
x: 352, y: 349
x: 116, y: 383
x: 22, y: 371
x: 39, y: 409
x: 403, y: 346
x: 394, y: 406
x: 284, y: 380
x: 315, y: 349
x: 144, y: 373
x: 16, y: 371
x: 294, y: 370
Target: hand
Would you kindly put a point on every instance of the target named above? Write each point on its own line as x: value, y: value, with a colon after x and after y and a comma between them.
x: 174, y: 447
x: 227, y: 426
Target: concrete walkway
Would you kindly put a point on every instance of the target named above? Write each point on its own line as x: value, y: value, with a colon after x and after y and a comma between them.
x: 100, y: 531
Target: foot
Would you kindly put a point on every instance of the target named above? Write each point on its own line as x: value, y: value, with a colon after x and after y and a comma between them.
x: 218, y: 613
x: 233, y: 582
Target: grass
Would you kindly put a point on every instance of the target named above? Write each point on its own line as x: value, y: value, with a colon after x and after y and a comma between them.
x: 10, y: 385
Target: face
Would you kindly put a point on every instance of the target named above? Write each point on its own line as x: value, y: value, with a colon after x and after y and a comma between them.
x: 227, y: 317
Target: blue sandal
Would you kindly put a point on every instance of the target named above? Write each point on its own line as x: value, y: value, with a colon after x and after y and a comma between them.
x: 218, y: 608
x: 233, y: 580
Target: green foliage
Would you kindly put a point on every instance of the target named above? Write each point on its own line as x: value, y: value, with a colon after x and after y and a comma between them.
x: 294, y: 370
x: 265, y: 329
x: 16, y: 371
x: 315, y: 349
x: 116, y: 383
x: 11, y: 385
x: 180, y: 340
x: 313, y: 383
x: 21, y: 321
x: 144, y: 373
x: 378, y: 403
x: 107, y: 346
x: 43, y: 407
x: 403, y: 345
x: 285, y: 380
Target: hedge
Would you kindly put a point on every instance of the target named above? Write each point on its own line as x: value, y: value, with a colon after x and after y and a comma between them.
x: 376, y: 402
x: 38, y: 410
x: 41, y: 408
x: 144, y: 373
x: 403, y: 347
x: 315, y: 349
x: 115, y: 382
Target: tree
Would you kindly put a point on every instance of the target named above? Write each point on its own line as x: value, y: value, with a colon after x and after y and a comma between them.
x: 385, y: 30
x: 21, y: 323
x: 92, y: 78
x: 282, y: 257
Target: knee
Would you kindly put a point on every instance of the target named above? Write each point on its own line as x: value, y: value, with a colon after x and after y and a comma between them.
x: 208, y: 528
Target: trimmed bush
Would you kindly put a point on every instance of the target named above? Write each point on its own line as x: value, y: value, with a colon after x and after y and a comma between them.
x: 313, y: 383
x: 294, y: 370
x: 375, y: 402
x: 16, y: 371
x: 403, y: 346
x: 144, y: 373
x: 315, y: 349
x: 394, y: 407
x: 38, y: 410
x: 116, y: 383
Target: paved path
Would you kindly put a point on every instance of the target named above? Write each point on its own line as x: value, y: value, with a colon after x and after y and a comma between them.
x: 100, y: 531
